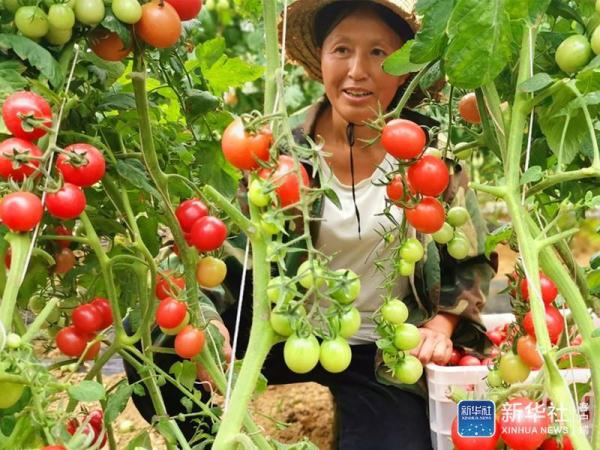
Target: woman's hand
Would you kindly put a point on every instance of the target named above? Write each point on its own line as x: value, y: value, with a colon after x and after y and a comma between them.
x: 436, y: 345
x: 201, y: 372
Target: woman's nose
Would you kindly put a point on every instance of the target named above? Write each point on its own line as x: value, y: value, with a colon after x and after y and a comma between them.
x: 358, y: 68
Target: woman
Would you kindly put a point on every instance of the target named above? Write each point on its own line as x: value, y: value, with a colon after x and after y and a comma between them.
x: 343, y: 44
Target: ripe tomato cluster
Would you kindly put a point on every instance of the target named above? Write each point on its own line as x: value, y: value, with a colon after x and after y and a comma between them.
x: 201, y: 230
x: 93, y: 427
x: 86, y: 321
x: 157, y: 23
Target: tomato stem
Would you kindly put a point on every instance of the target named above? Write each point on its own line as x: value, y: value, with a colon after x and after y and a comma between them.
x: 36, y: 325
x: 19, y: 246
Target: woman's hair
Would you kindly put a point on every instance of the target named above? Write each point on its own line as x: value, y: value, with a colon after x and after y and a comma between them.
x: 328, y: 17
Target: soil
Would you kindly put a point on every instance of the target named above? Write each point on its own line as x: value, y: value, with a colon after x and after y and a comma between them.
x: 290, y: 413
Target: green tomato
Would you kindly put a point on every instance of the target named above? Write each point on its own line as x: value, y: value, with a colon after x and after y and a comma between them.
x: 308, y: 279
x: 444, y: 235
x: 567, y: 218
x: 347, y: 289
x: 335, y: 355
x: 390, y: 358
x: 596, y: 41
x: 61, y: 17
x: 58, y: 37
x: 408, y: 370
x: 13, y: 341
x: 573, y: 53
x: 406, y: 337
x: 127, y: 11
x: 36, y: 304
x: 433, y: 152
x: 277, y: 287
x: 31, y: 21
x: 412, y: 250
x: 301, y: 355
x: 458, y: 248
x: 12, y: 5
x: 494, y: 379
x: 395, y: 311
x: 349, y: 322
x: 513, y: 369
x: 11, y: 393
x: 89, y: 12
x: 281, y: 322
x: 257, y: 194
x: 405, y: 268
x: 458, y: 216
x: 175, y: 330
x: 269, y: 228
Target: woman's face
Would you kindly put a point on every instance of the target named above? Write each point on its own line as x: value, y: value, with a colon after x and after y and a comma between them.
x: 351, y: 59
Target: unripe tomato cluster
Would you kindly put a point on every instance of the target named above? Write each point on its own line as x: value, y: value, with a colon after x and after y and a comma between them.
x: 157, y: 23
x: 403, y: 337
x: 86, y: 321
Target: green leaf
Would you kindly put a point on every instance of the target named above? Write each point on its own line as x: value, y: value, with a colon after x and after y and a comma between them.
x: 558, y: 8
x: 383, y: 343
x: 480, y: 39
x: 111, y: 102
x: 198, y: 103
x: 231, y: 72
x: 110, y: 22
x: 149, y: 231
x: 431, y: 38
x: 331, y: 195
x: 592, y: 98
x: 398, y: 63
x: 593, y: 281
x: 35, y: 54
x: 133, y: 171
x: 251, y: 9
x: 596, y: 333
x: 117, y: 401
x: 140, y: 442
x: 185, y: 373
x: 535, y: 83
x: 500, y: 234
x: 87, y: 391
x: 209, y: 52
x: 532, y: 175
x: 595, y: 261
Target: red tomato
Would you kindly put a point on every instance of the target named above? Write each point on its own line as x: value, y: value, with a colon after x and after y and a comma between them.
x: 72, y: 425
x: 72, y: 343
x: 427, y: 216
x: 467, y: 107
x: 21, y: 105
x: 108, y: 45
x: 496, y: 336
x: 528, y: 352
x: 103, y: 306
x: 242, y: 148
x: 96, y: 420
x: 456, y: 356
x: 403, y: 139
x: 523, y: 424
x: 18, y: 168
x: 429, y: 176
x: 549, y: 289
x: 65, y: 261
x: 395, y: 189
x: 21, y: 211
x: 189, y: 342
x: 487, y: 361
x: 84, y: 167
x: 473, y: 443
x: 554, y: 322
x: 170, y: 313
x: 189, y: 211
x: 208, y: 233
x: 160, y: 25
x: 66, y: 203
x: 469, y: 360
x: 286, y: 180
x: 54, y: 447
x: 87, y: 319
x: 556, y: 444
x: 163, y: 286
x: 61, y: 230
x: 187, y: 9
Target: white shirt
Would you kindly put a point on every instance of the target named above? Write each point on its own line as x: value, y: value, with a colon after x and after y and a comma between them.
x: 338, y: 237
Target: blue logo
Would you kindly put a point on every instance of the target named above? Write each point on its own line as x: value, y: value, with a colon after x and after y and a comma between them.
x: 476, y: 418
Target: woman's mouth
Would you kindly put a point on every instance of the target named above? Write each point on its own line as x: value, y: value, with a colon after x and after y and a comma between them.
x: 357, y: 93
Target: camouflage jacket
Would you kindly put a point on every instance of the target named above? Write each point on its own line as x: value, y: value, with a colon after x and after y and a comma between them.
x: 439, y: 284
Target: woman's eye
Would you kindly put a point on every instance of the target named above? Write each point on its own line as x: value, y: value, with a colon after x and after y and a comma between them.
x: 340, y: 50
x: 379, y: 52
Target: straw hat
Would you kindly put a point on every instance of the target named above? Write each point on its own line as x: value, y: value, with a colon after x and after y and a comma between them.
x: 300, y: 41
